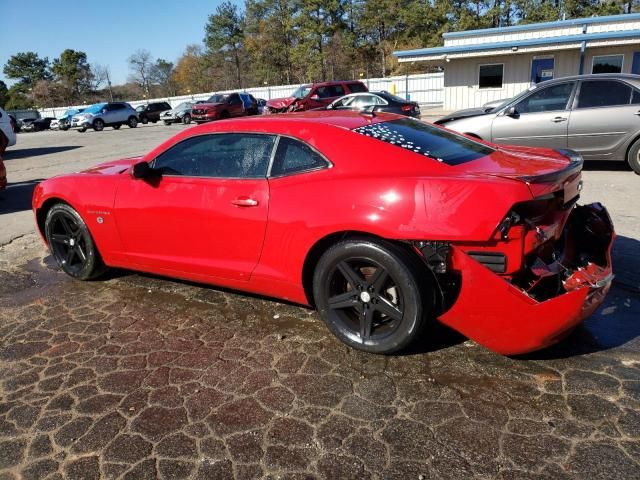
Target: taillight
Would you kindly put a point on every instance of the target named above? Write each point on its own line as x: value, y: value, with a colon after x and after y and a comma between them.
x: 407, y: 108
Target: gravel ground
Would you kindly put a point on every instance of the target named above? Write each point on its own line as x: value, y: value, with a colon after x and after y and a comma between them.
x: 134, y: 376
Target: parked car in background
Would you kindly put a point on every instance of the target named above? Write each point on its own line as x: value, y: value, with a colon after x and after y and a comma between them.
x: 598, y: 116
x: 179, y: 114
x: 316, y: 95
x: 376, y: 102
x: 64, y: 122
x: 24, y: 117
x: 309, y: 208
x: 100, y: 115
x: 7, y: 139
x: 38, y: 125
x: 218, y: 107
x: 151, y: 111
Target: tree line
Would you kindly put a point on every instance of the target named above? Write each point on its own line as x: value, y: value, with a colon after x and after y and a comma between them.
x: 272, y: 42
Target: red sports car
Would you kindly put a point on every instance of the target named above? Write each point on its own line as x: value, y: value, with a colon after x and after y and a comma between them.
x: 380, y: 222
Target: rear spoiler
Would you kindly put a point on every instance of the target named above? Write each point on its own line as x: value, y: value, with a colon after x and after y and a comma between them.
x: 575, y: 166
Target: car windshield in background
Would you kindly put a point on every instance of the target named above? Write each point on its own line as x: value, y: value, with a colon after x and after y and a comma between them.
x: 390, y: 96
x: 95, y: 108
x: 427, y: 140
x: 71, y: 112
x: 302, y: 91
x: 140, y: 108
x: 183, y: 105
x: 217, y: 98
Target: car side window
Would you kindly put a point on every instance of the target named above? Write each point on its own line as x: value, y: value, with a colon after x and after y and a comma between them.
x: 547, y: 99
x: 357, y: 87
x: 604, y: 93
x: 294, y: 156
x: 235, y: 100
x: 336, y: 90
x: 635, y: 99
x: 323, y: 92
x: 226, y: 155
x: 362, y: 101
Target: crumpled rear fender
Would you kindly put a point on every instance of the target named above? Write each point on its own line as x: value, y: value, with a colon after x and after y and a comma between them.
x: 504, y: 318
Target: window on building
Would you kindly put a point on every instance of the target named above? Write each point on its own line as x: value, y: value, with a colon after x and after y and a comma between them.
x: 607, y: 64
x: 604, y: 93
x: 490, y: 76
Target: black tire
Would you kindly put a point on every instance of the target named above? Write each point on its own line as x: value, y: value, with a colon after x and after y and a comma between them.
x: 64, y: 129
x: 224, y: 115
x: 98, y: 125
x: 116, y: 126
x: 71, y: 243
x: 132, y: 122
x: 633, y: 157
x: 144, y: 120
x: 154, y: 121
x: 372, y: 294
x: 82, y: 129
x: 186, y: 119
x: 167, y: 123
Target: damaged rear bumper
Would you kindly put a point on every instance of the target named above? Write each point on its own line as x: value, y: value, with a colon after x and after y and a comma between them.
x: 506, y: 316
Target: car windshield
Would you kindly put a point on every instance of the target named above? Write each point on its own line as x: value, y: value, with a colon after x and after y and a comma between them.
x: 302, y: 91
x: 183, y: 105
x: 140, y: 108
x: 217, y: 98
x: 424, y: 139
x: 95, y: 108
x: 71, y: 111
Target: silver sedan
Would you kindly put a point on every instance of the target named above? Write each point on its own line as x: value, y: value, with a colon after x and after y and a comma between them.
x: 598, y: 116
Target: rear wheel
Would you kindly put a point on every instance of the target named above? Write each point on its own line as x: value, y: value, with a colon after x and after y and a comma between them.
x: 117, y: 126
x: 633, y: 157
x: 144, y: 120
x: 167, y: 123
x: 71, y: 243
x: 132, y: 122
x: 98, y: 125
x: 82, y: 129
x: 372, y: 295
x: 224, y: 115
x: 186, y: 119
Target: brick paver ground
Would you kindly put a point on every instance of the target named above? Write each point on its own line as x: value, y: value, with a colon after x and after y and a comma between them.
x: 137, y: 377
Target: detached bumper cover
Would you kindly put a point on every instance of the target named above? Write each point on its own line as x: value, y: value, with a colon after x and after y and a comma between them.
x: 506, y: 319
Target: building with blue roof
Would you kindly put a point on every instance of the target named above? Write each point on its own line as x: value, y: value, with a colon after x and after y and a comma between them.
x: 486, y: 65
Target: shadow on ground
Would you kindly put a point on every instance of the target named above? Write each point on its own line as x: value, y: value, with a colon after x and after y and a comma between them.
x: 14, y: 154
x: 17, y: 196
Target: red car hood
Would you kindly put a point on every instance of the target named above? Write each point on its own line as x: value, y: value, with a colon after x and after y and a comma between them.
x: 280, y: 102
x: 114, y: 167
x: 206, y: 105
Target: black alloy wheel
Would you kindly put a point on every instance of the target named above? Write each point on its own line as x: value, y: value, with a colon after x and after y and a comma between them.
x: 132, y: 122
x: 372, y: 295
x: 98, y: 125
x: 186, y: 119
x: 71, y: 243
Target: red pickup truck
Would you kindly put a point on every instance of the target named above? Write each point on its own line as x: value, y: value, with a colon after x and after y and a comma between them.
x: 315, y: 95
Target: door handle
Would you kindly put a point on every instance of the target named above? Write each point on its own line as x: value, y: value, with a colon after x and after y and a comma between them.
x: 244, y: 202
x: 559, y: 119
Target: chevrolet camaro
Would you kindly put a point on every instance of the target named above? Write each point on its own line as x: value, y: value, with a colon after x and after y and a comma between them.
x: 382, y: 223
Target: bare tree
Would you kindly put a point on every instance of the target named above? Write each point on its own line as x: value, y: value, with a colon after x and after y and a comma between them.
x: 102, y: 75
x: 141, y: 64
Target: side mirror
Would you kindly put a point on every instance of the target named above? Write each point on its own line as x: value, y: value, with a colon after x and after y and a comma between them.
x: 141, y: 170
x: 315, y: 98
x: 512, y: 112
x: 104, y: 110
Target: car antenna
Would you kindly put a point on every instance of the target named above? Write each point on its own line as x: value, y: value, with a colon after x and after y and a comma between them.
x: 368, y: 110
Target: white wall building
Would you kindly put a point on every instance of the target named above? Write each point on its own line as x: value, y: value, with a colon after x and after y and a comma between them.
x: 495, y: 63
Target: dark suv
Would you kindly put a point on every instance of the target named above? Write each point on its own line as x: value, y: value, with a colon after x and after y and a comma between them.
x: 151, y: 111
x: 316, y: 95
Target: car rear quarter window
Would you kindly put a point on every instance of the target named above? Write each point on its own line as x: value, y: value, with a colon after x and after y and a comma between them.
x: 227, y: 155
x: 426, y: 140
x: 294, y: 156
x: 604, y: 93
x: 357, y: 87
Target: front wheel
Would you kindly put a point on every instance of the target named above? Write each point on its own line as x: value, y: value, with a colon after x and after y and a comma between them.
x: 132, y: 122
x: 98, y: 125
x: 186, y: 119
x: 633, y: 157
x: 144, y: 120
x: 167, y: 123
x: 372, y: 295
x: 82, y: 129
x: 71, y: 243
x: 117, y: 126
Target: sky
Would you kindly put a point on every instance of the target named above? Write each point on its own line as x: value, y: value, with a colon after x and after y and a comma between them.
x: 107, y: 31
